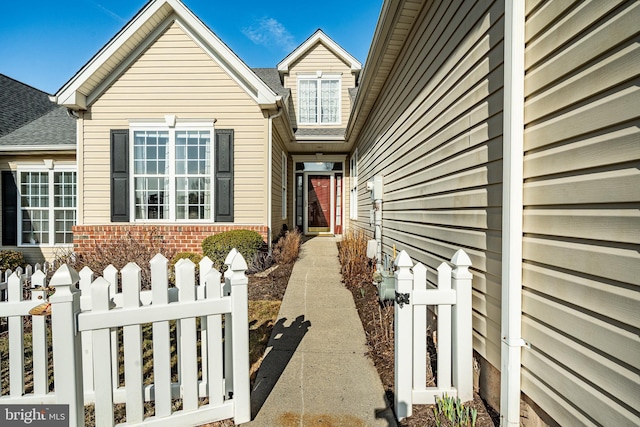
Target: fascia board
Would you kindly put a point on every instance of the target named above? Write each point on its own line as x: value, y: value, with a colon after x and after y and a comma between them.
x: 21, y: 148
x: 319, y: 36
x: 72, y: 86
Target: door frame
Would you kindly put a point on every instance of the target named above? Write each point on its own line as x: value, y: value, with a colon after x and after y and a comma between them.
x: 305, y: 191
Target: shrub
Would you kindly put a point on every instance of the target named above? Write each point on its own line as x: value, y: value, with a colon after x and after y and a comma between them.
x: 217, y: 247
x: 287, y: 249
x: 10, y: 260
x: 356, y: 267
x: 194, y: 257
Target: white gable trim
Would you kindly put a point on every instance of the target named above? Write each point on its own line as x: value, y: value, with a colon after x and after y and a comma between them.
x: 319, y: 36
x: 202, y: 35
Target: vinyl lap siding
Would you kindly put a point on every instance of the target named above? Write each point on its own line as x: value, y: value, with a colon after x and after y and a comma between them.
x: 175, y: 76
x: 435, y: 136
x: 581, y: 274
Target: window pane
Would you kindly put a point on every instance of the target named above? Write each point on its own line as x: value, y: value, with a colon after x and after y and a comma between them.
x: 151, y: 198
x: 193, y: 198
x: 193, y: 170
x: 329, y: 102
x: 308, y: 101
x: 64, y: 221
x: 35, y: 227
x: 150, y: 152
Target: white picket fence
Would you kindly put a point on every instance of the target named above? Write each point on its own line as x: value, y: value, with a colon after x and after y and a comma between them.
x: 454, y: 331
x: 91, y: 321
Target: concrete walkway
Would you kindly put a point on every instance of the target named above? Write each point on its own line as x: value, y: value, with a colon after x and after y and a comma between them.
x: 315, y: 372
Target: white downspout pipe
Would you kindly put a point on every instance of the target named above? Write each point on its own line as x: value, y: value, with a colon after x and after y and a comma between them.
x: 270, y: 173
x: 512, y: 211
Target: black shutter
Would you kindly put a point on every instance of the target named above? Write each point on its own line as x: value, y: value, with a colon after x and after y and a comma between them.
x: 119, y: 175
x: 223, y: 190
x: 9, y: 209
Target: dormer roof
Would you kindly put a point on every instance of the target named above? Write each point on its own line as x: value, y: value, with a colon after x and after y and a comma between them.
x: 139, y: 33
x: 319, y: 37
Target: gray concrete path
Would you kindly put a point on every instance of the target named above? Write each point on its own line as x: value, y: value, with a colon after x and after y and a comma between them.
x: 316, y: 372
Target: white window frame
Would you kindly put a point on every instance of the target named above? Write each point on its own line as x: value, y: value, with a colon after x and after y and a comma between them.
x: 353, y: 185
x: 319, y: 77
x: 283, y: 184
x: 51, y: 208
x: 171, y: 128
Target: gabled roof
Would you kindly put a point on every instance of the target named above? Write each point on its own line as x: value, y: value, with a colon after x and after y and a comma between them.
x: 143, y: 29
x: 30, y: 121
x: 319, y: 37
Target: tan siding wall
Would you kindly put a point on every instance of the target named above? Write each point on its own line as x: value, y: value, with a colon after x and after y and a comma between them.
x: 276, y: 195
x: 175, y: 76
x: 319, y: 58
x: 582, y: 218
x: 435, y: 136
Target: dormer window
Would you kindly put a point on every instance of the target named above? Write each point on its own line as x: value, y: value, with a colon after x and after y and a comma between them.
x: 319, y: 99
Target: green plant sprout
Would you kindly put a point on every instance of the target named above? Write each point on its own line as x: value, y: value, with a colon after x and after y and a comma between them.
x: 453, y: 410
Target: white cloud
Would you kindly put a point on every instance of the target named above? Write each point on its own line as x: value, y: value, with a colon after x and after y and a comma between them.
x: 270, y: 33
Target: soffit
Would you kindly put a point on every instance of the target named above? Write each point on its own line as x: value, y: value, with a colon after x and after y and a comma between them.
x: 396, y: 20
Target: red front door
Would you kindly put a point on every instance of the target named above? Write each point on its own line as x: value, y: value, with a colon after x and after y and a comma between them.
x: 319, y: 198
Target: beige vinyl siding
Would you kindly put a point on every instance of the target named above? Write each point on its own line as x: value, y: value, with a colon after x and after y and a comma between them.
x: 581, y: 295
x: 175, y: 76
x: 277, y: 221
x: 435, y: 136
x: 320, y: 58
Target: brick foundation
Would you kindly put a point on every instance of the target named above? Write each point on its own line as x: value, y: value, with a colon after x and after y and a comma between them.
x: 178, y: 238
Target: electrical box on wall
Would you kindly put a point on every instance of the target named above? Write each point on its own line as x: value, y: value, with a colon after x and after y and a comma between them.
x: 375, y: 186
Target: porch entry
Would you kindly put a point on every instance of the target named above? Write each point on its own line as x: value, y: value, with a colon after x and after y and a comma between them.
x: 319, y: 197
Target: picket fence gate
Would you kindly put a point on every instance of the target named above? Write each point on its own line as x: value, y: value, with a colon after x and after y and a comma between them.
x: 452, y: 297
x: 90, y: 320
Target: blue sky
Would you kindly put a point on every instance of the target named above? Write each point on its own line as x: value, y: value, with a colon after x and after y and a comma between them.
x: 43, y: 44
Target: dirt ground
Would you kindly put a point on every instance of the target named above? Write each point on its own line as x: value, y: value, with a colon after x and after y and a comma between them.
x: 271, y: 287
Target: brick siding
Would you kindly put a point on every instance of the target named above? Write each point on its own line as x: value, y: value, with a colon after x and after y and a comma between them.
x: 178, y: 238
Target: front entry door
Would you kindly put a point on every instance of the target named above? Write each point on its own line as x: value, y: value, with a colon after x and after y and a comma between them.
x: 319, y: 203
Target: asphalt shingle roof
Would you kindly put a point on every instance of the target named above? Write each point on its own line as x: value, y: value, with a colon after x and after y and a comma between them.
x: 272, y: 78
x: 320, y: 132
x: 28, y: 117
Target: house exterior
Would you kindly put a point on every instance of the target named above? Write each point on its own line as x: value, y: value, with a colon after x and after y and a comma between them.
x: 510, y: 129
x: 37, y: 162
x: 176, y: 134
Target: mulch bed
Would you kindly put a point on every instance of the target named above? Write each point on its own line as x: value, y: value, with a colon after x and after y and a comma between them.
x: 271, y: 287
x: 377, y: 321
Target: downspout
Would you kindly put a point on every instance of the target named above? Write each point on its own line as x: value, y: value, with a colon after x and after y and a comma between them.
x: 270, y: 171
x: 512, y: 212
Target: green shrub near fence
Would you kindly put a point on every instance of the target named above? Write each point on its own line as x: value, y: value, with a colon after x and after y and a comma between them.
x: 10, y: 260
x: 217, y: 247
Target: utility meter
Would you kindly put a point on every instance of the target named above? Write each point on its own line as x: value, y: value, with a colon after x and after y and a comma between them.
x: 375, y: 186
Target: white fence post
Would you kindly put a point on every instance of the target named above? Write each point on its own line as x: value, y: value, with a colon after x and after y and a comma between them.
x: 187, y: 357
x: 132, y: 339
x: 86, y: 278
x: 228, y: 327
x: 214, y: 340
x: 67, y: 356
x: 161, y: 338
x: 462, y: 326
x: 238, y: 282
x: 39, y: 336
x: 16, y: 338
x: 403, y: 336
